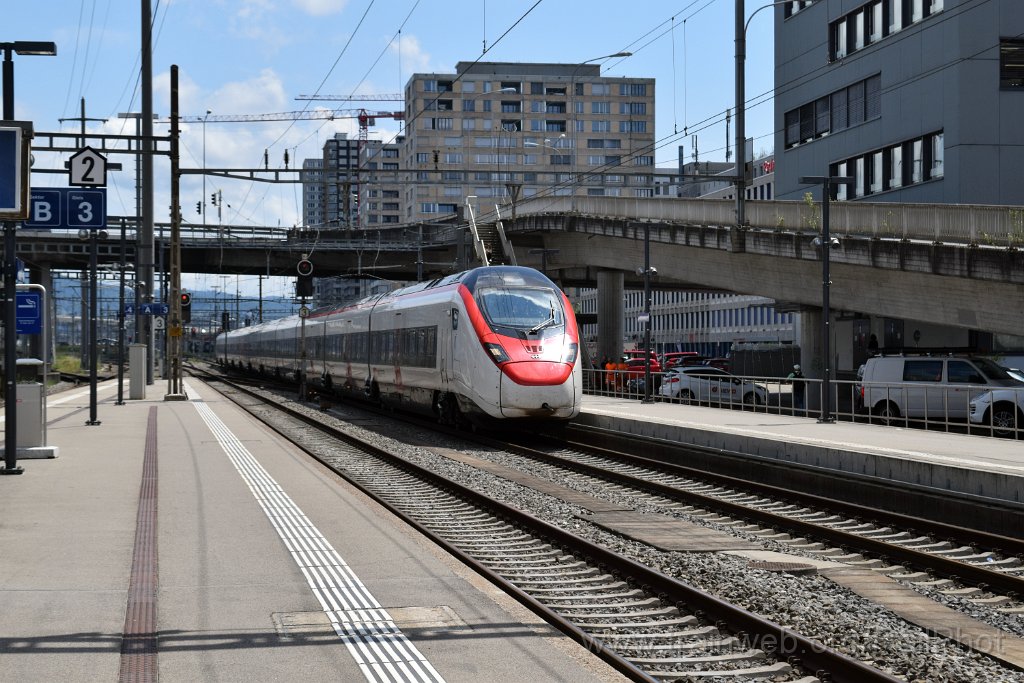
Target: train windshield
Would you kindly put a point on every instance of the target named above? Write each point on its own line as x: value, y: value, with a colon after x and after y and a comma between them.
x: 529, y: 310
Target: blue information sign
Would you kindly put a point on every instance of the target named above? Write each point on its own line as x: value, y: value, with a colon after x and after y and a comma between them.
x: 10, y: 144
x: 154, y: 309
x: 29, y: 312
x: 67, y: 208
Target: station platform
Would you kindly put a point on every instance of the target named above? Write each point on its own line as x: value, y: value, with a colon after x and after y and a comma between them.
x: 186, y: 541
x: 956, y: 463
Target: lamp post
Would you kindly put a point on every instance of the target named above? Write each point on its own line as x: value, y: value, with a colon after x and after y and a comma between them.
x: 11, y: 265
x: 646, y: 317
x: 741, y: 133
x: 572, y: 115
x: 825, y: 241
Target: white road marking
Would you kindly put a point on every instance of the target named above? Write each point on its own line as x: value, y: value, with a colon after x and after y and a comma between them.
x: 378, y: 646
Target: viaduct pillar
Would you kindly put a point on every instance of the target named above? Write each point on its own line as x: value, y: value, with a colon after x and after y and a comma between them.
x: 610, y: 313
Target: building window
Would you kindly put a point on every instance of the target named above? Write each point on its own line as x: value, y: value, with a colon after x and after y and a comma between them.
x: 633, y: 108
x: 468, y: 105
x: 514, y: 85
x: 1011, y: 63
x: 422, y: 157
x: 917, y: 161
x: 554, y: 126
x: 512, y: 125
x: 554, y: 107
x: 444, y: 86
x: 468, y: 86
x: 632, y: 126
x: 876, y: 175
x: 600, y: 126
x: 508, y: 107
x: 938, y: 155
x: 599, y: 89
x: 600, y: 108
x: 896, y: 167
x: 536, y: 88
x: 633, y: 89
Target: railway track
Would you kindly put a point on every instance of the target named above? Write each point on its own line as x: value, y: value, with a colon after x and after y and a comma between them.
x: 906, y: 548
x: 648, y: 625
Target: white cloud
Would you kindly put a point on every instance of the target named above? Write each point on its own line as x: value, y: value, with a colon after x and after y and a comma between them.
x: 414, y: 59
x: 320, y: 8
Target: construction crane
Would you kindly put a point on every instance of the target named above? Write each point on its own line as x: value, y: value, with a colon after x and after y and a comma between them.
x: 364, y: 117
x: 393, y: 97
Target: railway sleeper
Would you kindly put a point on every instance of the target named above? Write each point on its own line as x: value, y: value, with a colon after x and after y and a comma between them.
x: 726, y: 643
x: 745, y: 657
x: 574, y: 569
x: 756, y: 673
x: 511, y: 562
x: 571, y: 600
x: 622, y: 639
x: 615, y: 585
x: 593, y: 577
x: 616, y: 627
x: 522, y: 554
x: 624, y: 619
x: 522, y: 544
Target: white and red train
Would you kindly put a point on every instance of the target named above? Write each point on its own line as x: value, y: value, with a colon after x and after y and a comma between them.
x: 497, y: 342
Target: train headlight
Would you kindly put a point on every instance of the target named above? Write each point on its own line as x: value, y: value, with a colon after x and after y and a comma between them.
x: 570, y: 352
x: 498, y: 354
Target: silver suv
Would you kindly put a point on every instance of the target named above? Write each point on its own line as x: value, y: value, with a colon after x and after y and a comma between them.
x: 928, y: 387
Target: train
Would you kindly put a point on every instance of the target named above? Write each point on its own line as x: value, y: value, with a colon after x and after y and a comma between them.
x: 489, y: 344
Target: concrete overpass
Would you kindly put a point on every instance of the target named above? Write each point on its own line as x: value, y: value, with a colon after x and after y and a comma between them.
x: 959, y: 266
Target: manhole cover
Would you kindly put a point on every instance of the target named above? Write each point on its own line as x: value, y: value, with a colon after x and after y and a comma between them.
x: 782, y: 567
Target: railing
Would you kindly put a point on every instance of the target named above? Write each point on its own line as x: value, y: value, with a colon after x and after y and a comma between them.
x: 921, y: 405
x: 980, y: 225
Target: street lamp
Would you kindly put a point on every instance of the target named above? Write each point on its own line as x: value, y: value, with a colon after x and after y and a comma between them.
x: 575, y: 119
x: 741, y: 133
x: 648, y: 271
x: 11, y: 265
x: 825, y: 242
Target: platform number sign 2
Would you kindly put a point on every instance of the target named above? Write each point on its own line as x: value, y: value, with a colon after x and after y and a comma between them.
x: 87, y: 167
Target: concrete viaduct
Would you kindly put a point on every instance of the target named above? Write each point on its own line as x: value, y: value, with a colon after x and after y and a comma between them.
x: 959, y: 265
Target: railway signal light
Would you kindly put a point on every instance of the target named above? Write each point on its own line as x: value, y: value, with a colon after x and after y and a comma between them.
x: 304, y: 285
x: 199, y: 207
x: 186, y: 307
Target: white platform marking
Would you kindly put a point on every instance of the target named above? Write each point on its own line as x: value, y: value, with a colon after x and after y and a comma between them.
x: 378, y: 646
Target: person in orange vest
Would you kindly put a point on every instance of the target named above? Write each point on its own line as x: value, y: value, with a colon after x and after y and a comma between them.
x: 609, y: 375
x: 620, y: 376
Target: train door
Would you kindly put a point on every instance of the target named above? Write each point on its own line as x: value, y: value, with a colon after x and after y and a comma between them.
x: 458, y: 349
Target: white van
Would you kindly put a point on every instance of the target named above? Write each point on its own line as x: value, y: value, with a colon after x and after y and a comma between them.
x: 928, y: 387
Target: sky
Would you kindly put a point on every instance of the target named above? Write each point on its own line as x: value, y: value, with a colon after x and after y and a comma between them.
x: 258, y: 56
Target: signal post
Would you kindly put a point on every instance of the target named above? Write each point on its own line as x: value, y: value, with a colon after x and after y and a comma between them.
x: 175, y: 390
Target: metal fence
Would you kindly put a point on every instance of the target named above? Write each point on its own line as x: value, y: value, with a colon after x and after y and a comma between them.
x: 916, y: 405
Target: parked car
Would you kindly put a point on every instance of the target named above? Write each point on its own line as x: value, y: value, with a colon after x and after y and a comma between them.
x: 705, y: 384
x: 635, y: 373
x: 1015, y: 373
x: 681, y: 358
x: 1000, y: 409
x: 928, y: 387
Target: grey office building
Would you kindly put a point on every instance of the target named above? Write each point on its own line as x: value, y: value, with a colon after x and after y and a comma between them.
x: 917, y: 100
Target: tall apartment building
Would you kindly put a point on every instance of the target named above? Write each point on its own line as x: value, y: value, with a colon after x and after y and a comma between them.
x: 917, y: 100
x: 380, y: 182
x: 328, y: 185
x: 496, y: 130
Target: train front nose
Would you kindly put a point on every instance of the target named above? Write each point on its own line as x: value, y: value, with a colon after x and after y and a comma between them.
x: 538, y: 389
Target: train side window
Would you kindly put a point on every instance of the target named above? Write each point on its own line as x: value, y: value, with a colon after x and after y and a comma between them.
x: 455, y: 318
